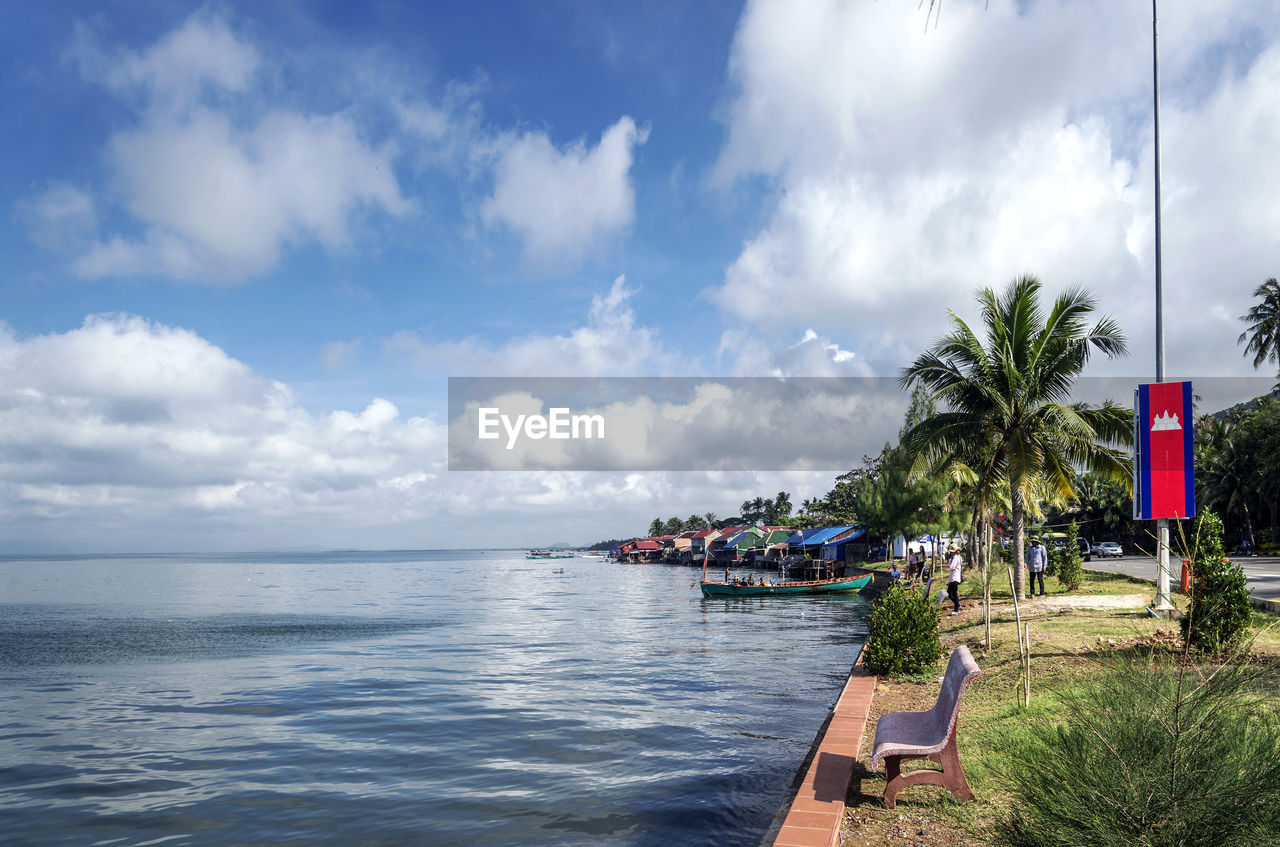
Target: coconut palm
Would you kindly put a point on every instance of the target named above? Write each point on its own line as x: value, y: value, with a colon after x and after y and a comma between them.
x: 1263, y: 333
x: 1229, y: 475
x: 1008, y: 419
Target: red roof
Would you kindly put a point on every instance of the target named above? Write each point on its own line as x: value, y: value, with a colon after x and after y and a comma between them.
x: 704, y: 533
x: 648, y: 545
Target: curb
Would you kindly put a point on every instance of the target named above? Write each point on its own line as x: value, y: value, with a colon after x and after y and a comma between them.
x: 816, y: 811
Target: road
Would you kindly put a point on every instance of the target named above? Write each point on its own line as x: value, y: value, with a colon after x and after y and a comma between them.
x: 1263, y: 572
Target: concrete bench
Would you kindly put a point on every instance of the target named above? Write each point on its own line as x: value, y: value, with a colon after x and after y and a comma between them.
x: 901, y: 736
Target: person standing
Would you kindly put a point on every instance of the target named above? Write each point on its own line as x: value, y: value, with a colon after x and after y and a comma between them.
x: 954, y: 564
x: 1037, y: 559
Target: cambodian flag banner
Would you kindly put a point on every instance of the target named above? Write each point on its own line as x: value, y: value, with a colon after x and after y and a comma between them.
x: 1164, y: 472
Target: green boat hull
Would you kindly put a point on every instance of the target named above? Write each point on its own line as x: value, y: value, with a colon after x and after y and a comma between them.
x: 787, y: 589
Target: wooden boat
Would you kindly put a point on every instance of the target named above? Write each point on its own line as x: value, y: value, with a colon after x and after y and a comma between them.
x: 839, y: 585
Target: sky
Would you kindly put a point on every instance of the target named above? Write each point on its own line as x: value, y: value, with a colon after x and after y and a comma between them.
x: 246, y: 245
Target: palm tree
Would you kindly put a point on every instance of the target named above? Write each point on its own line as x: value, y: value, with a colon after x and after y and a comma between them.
x: 1008, y: 419
x: 1264, y: 325
x: 655, y: 528
x: 710, y: 518
x: 782, y: 505
x: 1229, y: 475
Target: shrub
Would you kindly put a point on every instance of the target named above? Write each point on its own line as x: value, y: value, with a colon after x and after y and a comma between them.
x: 1219, y: 610
x: 1054, y: 557
x: 1070, y: 562
x: 902, y: 634
x: 1154, y: 754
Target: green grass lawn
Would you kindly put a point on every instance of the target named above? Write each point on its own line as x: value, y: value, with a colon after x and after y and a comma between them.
x: 1065, y: 655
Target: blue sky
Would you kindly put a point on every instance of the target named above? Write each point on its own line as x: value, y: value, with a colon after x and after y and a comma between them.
x: 247, y: 244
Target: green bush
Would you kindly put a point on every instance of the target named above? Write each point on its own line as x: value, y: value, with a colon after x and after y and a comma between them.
x: 1149, y: 753
x: 902, y: 634
x: 1219, y: 610
x: 1071, y: 563
x: 1054, y: 557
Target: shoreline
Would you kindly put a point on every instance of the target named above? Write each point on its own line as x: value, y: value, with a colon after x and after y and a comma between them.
x: 813, y: 812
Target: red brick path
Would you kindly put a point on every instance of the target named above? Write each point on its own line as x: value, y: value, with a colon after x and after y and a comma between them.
x: 816, y: 812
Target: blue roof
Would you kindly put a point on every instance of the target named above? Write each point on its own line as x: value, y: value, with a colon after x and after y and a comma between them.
x: 802, y: 534
x: 822, y: 536
x: 852, y: 537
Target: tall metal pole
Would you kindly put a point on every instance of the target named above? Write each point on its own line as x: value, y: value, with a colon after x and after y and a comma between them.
x: 1162, y: 526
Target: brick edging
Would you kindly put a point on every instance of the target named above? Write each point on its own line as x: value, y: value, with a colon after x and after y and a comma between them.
x: 817, y: 809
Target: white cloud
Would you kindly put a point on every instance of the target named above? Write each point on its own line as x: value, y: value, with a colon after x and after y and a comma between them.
x: 912, y: 167
x: 62, y: 217
x: 611, y: 343
x: 151, y: 429
x: 564, y: 203
x: 219, y: 197
x: 338, y: 353
x: 203, y: 51
x: 125, y: 434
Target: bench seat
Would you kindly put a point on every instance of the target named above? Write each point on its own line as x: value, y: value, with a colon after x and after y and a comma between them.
x: 902, y: 736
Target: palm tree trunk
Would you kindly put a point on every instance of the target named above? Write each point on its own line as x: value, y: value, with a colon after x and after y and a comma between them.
x: 986, y: 581
x: 1019, y: 537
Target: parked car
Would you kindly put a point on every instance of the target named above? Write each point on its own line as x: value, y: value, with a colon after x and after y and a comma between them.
x: 1107, y: 550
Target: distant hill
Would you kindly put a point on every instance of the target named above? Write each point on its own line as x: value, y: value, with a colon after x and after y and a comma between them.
x: 1241, y: 408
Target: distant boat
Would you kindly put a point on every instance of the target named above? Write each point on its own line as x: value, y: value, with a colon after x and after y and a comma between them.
x: 840, y: 585
x: 548, y: 554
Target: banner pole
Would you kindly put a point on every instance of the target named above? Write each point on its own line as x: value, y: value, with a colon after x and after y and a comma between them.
x: 1162, y: 525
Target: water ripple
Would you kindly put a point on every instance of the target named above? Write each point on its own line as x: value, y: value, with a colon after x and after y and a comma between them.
x: 401, y: 699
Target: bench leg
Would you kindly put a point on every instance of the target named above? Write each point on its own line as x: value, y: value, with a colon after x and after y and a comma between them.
x: 951, y: 777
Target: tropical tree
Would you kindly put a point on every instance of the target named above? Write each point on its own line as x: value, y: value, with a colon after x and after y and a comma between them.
x: 1229, y: 473
x: 1102, y: 508
x: 694, y: 522
x: 781, y: 508
x: 1262, y: 440
x: 655, y: 528
x: 1007, y: 415
x: 710, y: 518
x: 753, y: 511
x: 1263, y: 334
x: 673, y: 526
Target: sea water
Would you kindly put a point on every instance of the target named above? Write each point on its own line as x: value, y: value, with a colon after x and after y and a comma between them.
x: 416, y: 698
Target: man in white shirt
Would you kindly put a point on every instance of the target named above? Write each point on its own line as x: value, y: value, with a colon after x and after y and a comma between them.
x: 1037, y: 559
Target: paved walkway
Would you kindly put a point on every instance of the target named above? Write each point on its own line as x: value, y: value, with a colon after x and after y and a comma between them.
x: 1263, y: 572
x: 818, y: 808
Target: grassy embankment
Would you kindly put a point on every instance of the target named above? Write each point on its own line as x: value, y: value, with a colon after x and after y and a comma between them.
x: 1065, y: 656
